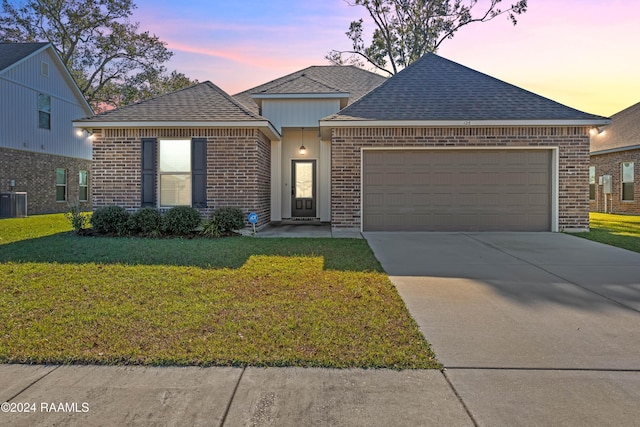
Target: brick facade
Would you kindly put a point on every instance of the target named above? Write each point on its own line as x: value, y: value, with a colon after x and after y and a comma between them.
x: 611, y: 164
x: 573, y: 158
x: 238, y: 167
x: 35, y: 173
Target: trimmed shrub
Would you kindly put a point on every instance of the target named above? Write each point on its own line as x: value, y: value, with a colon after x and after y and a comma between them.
x: 181, y: 220
x: 148, y: 221
x: 111, y: 219
x: 228, y: 219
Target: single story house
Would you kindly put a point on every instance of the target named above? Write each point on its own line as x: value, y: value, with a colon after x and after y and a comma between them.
x: 438, y: 146
x: 41, y: 153
x: 615, y: 153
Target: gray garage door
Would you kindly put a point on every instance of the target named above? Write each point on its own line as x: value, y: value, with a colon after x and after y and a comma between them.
x: 457, y: 190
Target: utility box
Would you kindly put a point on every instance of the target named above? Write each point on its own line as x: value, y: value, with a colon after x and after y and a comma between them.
x: 13, y: 205
x: 605, y: 181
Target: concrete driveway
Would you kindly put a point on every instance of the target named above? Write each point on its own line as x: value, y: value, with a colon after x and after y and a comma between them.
x: 533, y: 328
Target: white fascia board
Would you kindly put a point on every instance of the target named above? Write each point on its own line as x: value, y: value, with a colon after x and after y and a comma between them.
x: 264, y: 126
x: 614, y: 150
x: 461, y: 123
x: 300, y: 95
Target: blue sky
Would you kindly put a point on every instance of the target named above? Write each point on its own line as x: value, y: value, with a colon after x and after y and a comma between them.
x: 582, y: 53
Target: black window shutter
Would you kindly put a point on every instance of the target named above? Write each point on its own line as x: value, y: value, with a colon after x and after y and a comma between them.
x: 199, y: 172
x: 149, y: 147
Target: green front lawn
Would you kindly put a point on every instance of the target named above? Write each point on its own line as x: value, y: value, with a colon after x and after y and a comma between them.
x: 234, y: 301
x: 616, y: 230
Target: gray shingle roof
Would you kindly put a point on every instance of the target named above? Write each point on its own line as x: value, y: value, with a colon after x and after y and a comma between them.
x: 10, y: 53
x: 435, y: 88
x: 624, y: 131
x: 317, y: 79
x: 204, y: 102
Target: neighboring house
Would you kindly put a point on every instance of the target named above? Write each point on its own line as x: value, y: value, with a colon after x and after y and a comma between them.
x: 438, y: 146
x: 615, y: 152
x: 40, y: 151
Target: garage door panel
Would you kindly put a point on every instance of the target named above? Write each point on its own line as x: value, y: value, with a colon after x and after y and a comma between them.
x: 457, y: 190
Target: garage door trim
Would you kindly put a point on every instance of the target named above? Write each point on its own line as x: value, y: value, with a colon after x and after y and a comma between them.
x: 554, y: 172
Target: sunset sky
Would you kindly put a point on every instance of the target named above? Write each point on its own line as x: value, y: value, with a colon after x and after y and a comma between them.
x: 582, y: 53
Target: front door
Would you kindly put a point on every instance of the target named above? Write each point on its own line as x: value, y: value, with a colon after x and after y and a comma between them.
x: 303, y: 188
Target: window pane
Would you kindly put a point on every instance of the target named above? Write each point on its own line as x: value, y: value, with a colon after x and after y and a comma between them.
x: 61, y: 193
x: 627, y: 172
x: 84, y: 196
x: 592, y: 174
x: 44, y: 103
x: 175, y: 190
x: 592, y: 191
x: 175, y: 156
x: 61, y: 178
x: 304, y: 180
x: 44, y: 120
x: 627, y: 191
x: 83, y: 178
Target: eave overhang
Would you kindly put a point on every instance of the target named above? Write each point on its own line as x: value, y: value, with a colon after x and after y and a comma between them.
x: 327, y: 124
x: 265, y: 126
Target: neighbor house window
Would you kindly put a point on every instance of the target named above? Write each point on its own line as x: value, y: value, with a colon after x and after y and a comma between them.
x: 44, y: 111
x: 175, y: 172
x: 627, y: 181
x: 83, y: 180
x: 592, y: 182
x: 61, y: 185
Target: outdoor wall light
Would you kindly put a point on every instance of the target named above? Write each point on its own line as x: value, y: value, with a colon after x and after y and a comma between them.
x: 303, y: 149
x: 596, y: 131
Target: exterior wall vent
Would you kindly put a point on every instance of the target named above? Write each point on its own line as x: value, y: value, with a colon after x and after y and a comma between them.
x: 44, y: 68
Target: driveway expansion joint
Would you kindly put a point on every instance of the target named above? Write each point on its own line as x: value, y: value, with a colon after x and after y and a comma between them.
x: 32, y: 383
x: 233, y: 395
x: 464, y: 405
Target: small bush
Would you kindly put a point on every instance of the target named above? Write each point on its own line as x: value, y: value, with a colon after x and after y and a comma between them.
x: 228, y: 219
x: 76, y: 218
x: 181, y: 220
x: 111, y: 219
x: 147, y: 221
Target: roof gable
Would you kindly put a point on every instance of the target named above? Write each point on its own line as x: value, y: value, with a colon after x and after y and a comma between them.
x: 623, y: 132
x: 317, y: 80
x: 437, y: 89
x: 13, y: 53
x: 203, y: 102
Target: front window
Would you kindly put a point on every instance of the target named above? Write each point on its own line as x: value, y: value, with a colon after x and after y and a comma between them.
x: 61, y: 185
x: 175, y: 172
x: 627, y: 181
x: 44, y: 111
x: 83, y: 180
x: 592, y: 182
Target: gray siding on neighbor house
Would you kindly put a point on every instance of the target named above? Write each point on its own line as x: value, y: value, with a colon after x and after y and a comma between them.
x: 19, y: 89
x: 283, y: 113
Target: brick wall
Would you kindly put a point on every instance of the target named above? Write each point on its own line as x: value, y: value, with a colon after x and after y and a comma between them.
x: 238, y: 167
x: 573, y: 143
x: 610, y: 164
x: 35, y: 173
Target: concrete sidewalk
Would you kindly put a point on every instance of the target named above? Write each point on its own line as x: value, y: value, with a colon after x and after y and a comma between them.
x: 190, y: 396
x: 533, y: 328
